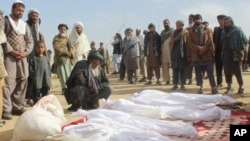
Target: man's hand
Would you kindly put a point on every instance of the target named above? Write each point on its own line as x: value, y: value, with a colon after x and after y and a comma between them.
x: 23, y: 54
x: 202, y: 49
x: 19, y: 55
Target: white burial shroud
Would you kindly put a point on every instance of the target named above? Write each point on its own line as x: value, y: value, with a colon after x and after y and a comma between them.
x: 152, y: 125
x: 106, y: 130
x: 159, y: 98
x: 170, y: 112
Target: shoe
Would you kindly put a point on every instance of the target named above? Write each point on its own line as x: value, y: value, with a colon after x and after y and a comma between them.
x: 219, y: 86
x: 241, y: 91
x: 114, y: 72
x: 121, y: 79
x: 190, y: 82
x: 131, y: 82
x: 7, y: 116
x: 215, y: 91
x: 200, y: 91
x: 73, y: 107
x: 148, y: 83
x: 143, y: 80
x: 174, y: 88
x: 2, y: 123
x: 158, y: 83
x: 229, y: 91
x: 167, y: 83
x: 183, y: 88
x: 18, y: 112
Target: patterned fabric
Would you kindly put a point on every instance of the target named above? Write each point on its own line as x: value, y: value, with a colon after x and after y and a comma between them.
x: 236, y: 36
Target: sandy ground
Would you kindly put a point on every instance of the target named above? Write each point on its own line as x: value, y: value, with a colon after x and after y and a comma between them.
x: 124, y: 90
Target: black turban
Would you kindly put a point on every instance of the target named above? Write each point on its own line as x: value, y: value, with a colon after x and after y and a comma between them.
x: 151, y: 25
x: 129, y: 29
x: 197, y: 16
x: 63, y: 25
x: 94, y: 55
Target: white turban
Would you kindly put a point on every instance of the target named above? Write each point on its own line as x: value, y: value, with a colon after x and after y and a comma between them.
x: 33, y: 10
x: 18, y: 1
x: 78, y: 24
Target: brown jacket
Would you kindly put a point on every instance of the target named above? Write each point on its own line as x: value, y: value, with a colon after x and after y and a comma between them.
x: 63, y: 49
x: 193, y: 45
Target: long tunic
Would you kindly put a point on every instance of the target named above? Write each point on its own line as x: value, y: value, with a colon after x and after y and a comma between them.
x: 131, y: 53
x: 63, y: 47
x: 230, y: 66
x: 40, y: 72
x: 152, y: 59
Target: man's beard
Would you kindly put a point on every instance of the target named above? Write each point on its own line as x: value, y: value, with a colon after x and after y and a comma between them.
x: 63, y: 34
x: 166, y: 27
x: 95, y: 71
x: 128, y: 37
x: 227, y: 27
x: 197, y: 24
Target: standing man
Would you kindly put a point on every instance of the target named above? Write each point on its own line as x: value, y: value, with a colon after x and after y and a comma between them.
x: 80, y: 42
x: 218, y: 49
x: 234, y: 43
x: 189, y: 68
x: 165, y: 48
x: 3, y: 72
x: 18, y: 47
x: 202, y: 50
x: 152, y: 50
x: 131, y: 45
x: 105, y: 54
x: 178, y: 48
x: 64, y: 53
x: 143, y: 65
x: 92, y: 46
x: 117, y: 52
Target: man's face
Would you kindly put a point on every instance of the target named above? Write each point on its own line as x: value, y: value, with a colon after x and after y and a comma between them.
x: 101, y: 46
x: 166, y: 23
x: 227, y: 23
x: 63, y: 30
x: 190, y: 20
x: 151, y: 29
x: 17, y: 12
x: 79, y: 29
x: 138, y: 32
x: 34, y: 17
x: 128, y: 33
x: 197, y: 21
x: 95, y: 63
x: 221, y: 21
x: 179, y: 26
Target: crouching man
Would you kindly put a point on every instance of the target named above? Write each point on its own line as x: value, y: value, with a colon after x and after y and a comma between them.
x: 87, y: 84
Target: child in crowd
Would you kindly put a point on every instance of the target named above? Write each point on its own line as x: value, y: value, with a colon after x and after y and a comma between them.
x: 39, y: 69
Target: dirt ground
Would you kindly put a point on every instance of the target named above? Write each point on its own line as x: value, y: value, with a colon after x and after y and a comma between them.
x: 121, y: 89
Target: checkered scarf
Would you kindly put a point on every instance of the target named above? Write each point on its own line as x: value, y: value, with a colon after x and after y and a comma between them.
x: 236, y: 36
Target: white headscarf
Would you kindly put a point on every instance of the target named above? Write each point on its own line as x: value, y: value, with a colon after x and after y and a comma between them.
x: 80, y: 42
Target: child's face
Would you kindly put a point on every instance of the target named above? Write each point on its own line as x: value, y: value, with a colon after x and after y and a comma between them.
x: 40, y: 49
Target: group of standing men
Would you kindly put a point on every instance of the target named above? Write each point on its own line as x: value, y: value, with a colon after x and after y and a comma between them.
x: 22, y: 43
x: 183, y: 49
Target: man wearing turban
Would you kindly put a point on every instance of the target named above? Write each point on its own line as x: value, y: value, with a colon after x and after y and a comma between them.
x: 64, y: 53
x: 80, y: 42
x: 87, y: 83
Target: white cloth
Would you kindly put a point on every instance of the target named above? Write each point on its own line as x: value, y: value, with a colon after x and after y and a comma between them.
x: 81, y: 44
x: 78, y: 24
x: 153, y: 125
x: 159, y: 98
x: 104, y: 130
x: 167, y: 112
x: 20, y: 27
